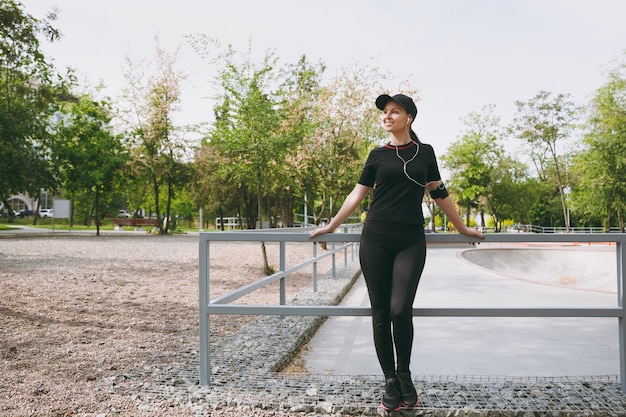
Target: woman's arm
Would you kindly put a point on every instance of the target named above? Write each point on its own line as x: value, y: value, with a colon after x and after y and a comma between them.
x: 351, y: 203
x: 447, y: 206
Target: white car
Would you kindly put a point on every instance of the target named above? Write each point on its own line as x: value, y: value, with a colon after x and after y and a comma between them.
x: 46, y: 213
x: 123, y: 214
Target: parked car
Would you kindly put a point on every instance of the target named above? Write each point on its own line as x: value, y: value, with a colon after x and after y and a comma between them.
x: 24, y: 213
x: 123, y: 214
x: 46, y: 213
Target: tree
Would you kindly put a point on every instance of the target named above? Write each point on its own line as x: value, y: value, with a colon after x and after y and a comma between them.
x: 602, y: 163
x: 29, y: 91
x: 344, y: 127
x: 247, y: 130
x: 158, y: 144
x: 210, y: 190
x: 301, y: 92
x: 89, y: 155
x: 248, y: 127
x: 505, y: 194
x: 544, y: 122
x: 471, y: 159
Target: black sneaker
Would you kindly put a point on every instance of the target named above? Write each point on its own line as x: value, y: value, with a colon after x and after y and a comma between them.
x: 408, y: 394
x: 391, y: 395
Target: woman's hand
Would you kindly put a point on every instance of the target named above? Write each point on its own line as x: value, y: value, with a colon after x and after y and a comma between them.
x: 472, y: 232
x: 320, y: 231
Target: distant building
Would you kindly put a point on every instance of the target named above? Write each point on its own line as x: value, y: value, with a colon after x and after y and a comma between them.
x: 21, y: 202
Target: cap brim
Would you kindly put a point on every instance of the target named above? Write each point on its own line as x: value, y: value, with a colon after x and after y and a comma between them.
x: 382, y: 101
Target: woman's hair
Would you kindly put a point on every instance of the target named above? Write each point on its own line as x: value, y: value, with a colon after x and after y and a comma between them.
x: 414, y: 135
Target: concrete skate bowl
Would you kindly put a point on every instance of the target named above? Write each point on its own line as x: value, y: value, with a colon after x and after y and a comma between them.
x: 574, y: 268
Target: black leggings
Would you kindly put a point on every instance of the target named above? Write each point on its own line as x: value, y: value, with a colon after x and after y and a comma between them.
x: 392, y: 259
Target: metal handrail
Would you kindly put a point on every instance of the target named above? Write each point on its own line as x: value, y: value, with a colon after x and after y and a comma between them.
x: 556, y: 229
x: 218, y: 306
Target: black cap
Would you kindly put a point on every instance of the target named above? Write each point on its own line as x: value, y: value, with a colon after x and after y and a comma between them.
x: 405, y: 101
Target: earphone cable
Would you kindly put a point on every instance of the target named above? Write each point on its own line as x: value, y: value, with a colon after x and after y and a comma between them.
x: 406, y: 162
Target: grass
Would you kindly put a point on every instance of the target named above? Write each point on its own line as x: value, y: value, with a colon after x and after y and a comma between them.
x: 47, y: 224
x: 62, y: 225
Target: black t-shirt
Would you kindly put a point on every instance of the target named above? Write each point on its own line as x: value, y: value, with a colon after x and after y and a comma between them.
x: 396, y: 197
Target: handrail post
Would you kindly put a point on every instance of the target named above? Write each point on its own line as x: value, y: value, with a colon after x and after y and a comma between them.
x: 204, y: 320
x: 620, y: 248
x: 315, y: 267
x: 345, y: 251
x: 334, y: 261
x: 283, y: 298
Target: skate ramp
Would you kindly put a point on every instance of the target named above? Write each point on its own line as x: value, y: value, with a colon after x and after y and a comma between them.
x: 575, y: 268
x: 511, y: 346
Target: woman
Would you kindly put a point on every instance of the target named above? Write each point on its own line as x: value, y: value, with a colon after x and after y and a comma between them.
x: 393, y: 247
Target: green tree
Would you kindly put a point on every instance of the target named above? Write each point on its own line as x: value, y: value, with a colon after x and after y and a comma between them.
x: 505, y: 195
x: 602, y: 162
x: 301, y: 92
x: 29, y: 91
x: 89, y: 155
x: 344, y: 127
x: 210, y: 190
x: 158, y: 144
x: 544, y: 122
x: 247, y: 130
x: 471, y: 159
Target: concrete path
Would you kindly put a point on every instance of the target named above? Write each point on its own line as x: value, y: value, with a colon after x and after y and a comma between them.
x: 483, y: 346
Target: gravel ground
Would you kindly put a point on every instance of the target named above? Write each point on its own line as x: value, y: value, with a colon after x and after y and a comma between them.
x: 108, y: 326
x: 86, y: 320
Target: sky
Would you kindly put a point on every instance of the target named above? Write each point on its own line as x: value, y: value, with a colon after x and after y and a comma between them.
x: 460, y: 55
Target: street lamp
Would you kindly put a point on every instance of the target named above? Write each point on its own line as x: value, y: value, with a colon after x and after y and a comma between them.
x: 567, y: 191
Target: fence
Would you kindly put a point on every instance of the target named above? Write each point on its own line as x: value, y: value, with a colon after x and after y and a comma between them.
x: 229, y: 223
x: 543, y: 229
x: 220, y: 305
